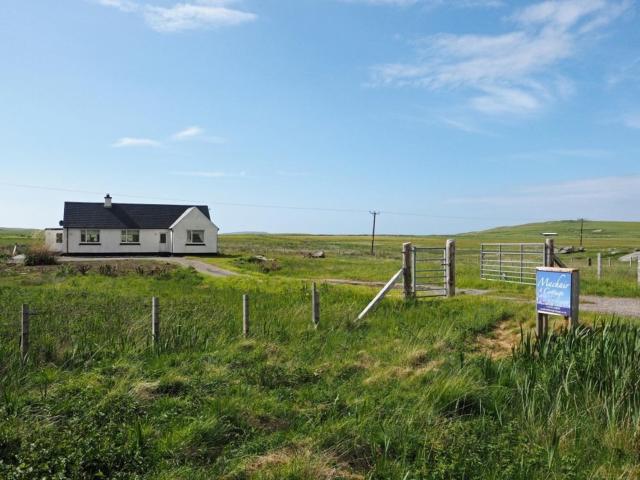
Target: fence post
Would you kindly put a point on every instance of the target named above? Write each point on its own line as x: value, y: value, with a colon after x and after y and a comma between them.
x: 407, y: 276
x: 609, y: 262
x: 24, y: 332
x: 549, y: 252
x: 638, y: 269
x: 450, y: 272
x: 155, y: 321
x: 315, y: 305
x: 599, y: 266
x: 245, y: 316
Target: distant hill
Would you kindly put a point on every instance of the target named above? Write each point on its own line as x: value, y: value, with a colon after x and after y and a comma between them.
x: 594, y: 232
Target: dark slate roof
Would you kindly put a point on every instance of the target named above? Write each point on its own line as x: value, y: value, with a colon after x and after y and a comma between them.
x: 123, y: 215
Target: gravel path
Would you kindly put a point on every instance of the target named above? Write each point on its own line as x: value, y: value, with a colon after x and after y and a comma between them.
x: 199, y: 265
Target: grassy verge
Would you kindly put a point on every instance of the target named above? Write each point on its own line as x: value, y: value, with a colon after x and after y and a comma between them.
x: 407, y: 393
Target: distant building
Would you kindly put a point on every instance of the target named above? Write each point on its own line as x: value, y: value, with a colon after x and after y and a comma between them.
x: 110, y: 228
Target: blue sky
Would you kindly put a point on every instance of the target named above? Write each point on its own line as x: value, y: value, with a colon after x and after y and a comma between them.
x: 447, y: 116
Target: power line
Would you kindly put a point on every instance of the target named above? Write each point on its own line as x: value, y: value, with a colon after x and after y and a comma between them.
x: 256, y: 205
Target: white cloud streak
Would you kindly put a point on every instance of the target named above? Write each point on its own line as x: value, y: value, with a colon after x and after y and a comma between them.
x: 197, y: 133
x: 193, y: 15
x: 511, y: 72
x: 135, y: 142
x: 188, y: 133
x: 609, y: 195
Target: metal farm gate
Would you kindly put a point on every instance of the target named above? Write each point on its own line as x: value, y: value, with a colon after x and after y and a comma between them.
x: 512, y: 262
x: 433, y: 271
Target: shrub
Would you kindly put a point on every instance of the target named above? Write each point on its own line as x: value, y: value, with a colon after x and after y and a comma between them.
x: 39, y: 256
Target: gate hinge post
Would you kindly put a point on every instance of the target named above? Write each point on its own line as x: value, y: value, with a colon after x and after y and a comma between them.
x: 450, y: 273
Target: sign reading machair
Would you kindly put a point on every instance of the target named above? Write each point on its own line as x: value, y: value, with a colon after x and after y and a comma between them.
x: 555, y: 293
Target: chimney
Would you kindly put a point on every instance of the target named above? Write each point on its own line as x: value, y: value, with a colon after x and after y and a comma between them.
x: 107, y: 201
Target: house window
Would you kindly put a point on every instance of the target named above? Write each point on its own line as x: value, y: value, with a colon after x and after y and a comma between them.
x: 58, y: 237
x: 89, y: 236
x: 130, y: 236
x: 163, y: 238
x: 195, y: 236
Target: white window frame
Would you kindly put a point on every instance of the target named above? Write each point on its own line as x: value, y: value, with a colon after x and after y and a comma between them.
x: 59, y: 237
x: 127, y: 236
x: 163, y: 235
x: 85, y: 234
x: 190, y: 234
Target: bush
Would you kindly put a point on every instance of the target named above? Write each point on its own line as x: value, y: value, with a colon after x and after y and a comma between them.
x: 39, y: 256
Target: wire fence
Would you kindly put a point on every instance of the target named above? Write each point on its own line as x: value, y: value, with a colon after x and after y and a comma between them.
x: 72, y: 332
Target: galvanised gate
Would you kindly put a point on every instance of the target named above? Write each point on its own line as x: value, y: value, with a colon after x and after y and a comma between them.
x: 433, y: 271
x: 513, y: 262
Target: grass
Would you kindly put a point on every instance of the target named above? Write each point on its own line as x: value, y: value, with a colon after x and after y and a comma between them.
x: 404, y: 394
x: 348, y: 257
x: 416, y: 390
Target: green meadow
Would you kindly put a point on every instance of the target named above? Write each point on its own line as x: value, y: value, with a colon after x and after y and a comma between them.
x: 435, y: 389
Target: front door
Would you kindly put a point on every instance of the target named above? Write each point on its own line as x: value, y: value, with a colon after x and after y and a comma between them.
x: 164, y: 243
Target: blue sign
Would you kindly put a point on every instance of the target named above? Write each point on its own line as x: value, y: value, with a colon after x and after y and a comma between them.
x: 553, y: 291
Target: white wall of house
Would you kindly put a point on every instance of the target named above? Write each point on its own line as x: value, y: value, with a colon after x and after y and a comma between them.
x: 194, y: 219
x: 111, y: 242
x: 51, y: 237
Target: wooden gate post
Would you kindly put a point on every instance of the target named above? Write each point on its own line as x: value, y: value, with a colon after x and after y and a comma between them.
x: 155, y: 321
x: 450, y: 260
x: 407, y: 276
x: 315, y: 305
x: 549, y: 252
x: 24, y: 332
x: 245, y: 316
x: 599, y: 266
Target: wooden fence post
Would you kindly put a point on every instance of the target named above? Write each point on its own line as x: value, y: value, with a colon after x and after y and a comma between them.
x: 549, y: 252
x: 599, y: 266
x: 315, y: 305
x: 638, y: 269
x: 450, y: 260
x: 155, y: 321
x: 24, y: 332
x: 407, y: 276
x: 245, y: 316
x: 609, y: 261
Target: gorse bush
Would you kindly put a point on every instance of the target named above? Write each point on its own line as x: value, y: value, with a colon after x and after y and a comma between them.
x: 39, y: 256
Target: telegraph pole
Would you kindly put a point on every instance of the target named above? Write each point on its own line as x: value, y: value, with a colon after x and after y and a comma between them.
x: 373, y: 232
x: 581, y: 229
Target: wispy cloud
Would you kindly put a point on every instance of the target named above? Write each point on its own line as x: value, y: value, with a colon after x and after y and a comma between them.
x: 208, y: 174
x: 197, y: 14
x: 135, y: 142
x: 464, y: 126
x: 188, y: 133
x: 197, y: 133
x: 510, y: 72
x: 605, y: 193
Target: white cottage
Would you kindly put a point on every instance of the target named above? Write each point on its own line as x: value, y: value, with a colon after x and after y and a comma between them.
x: 133, y: 229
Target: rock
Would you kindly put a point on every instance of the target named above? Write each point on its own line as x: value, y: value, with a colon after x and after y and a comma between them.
x: 318, y: 254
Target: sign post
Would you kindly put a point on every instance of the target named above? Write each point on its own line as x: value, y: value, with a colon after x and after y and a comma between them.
x: 557, y: 293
